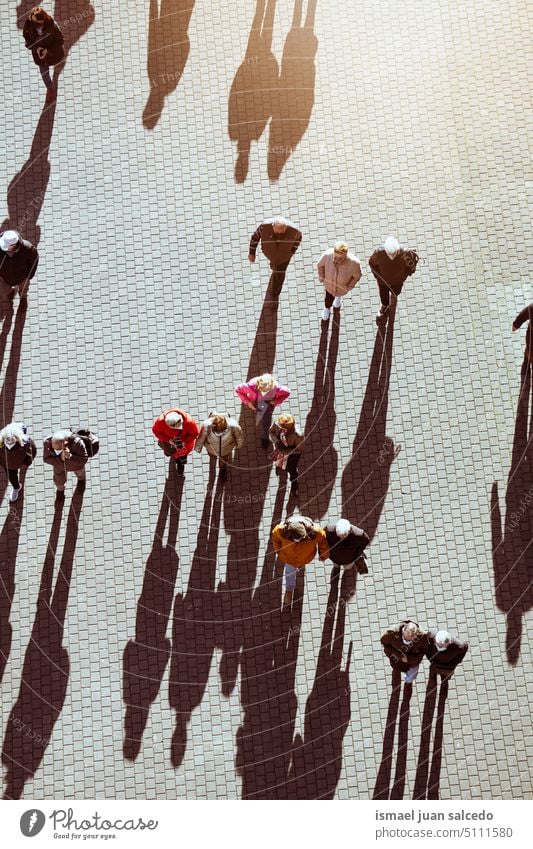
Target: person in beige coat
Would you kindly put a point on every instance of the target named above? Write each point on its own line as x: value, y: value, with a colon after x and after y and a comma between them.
x: 338, y: 271
x: 219, y: 435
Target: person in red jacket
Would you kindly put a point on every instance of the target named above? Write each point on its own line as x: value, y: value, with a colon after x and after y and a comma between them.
x: 176, y: 433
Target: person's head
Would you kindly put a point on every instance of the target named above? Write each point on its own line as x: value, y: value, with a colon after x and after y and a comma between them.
x: 286, y: 422
x: 219, y: 422
x: 265, y: 382
x: 442, y: 640
x: 340, y: 250
x: 174, y: 420
x: 9, y: 241
x: 343, y: 528
x: 38, y: 15
x: 279, y: 225
x: 391, y: 246
x: 296, y: 528
x: 409, y: 632
x: 11, y: 434
x: 59, y: 439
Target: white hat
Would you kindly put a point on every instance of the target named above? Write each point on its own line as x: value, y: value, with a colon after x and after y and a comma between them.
x: 8, y: 239
x: 391, y: 245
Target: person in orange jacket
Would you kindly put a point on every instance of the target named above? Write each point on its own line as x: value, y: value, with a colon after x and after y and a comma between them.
x: 296, y: 542
x: 176, y: 432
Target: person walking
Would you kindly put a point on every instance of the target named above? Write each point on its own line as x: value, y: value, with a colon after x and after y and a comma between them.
x: 297, y: 542
x: 65, y: 452
x: 45, y: 40
x: 444, y: 653
x: 280, y: 239
x: 391, y: 265
x: 176, y: 432
x: 262, y: 394
x: 405, y: 646
x: 288, y: 444
x: 338, y: 271
x: 346, y: 545
x: 17, y: 451
x: 526, y: 315
x: 18, y: 263
x: 219, y: 435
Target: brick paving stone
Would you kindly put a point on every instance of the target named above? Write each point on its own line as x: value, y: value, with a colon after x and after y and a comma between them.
x: 143, y: 299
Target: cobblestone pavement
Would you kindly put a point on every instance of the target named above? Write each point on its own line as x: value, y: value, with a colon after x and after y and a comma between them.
x: 143, y: 185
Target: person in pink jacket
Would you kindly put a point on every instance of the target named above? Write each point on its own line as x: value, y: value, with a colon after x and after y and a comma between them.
x: 261, y: 394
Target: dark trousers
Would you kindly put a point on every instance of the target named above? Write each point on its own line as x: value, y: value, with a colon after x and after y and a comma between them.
x: 277, y: 278
x: 328, y: 300
x: 292, y: 466
x: 386, y: 291
x: 13, y: 475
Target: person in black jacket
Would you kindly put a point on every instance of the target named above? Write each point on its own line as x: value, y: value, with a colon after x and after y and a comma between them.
x: 45, y: 40
x: 444, y: 653
x: 346, y: 544
x: 18, y: 263
x: 526, y: 315
x: 391, y: 265
x: 279, y: 239
x: 17, y: 451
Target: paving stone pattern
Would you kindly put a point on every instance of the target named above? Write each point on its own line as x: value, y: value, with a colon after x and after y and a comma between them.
x: 169, y: 143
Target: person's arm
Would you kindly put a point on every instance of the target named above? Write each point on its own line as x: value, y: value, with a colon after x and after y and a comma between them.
x: 524, y: 315
x: 77, y: 449
x: 33, y: 262
x: 31, y: 452
x: 50, y: 456
x: 255, y: 238
x: 201, y: 439
x: 58, y: 35
x: 158, y: 430
x: 189, y: 435
x: 374, y: 265
x: 357, y: 273
x: 277, y: 539
x: 282, y: 393
x: 238, y: 435
x: 297, y: 242
x: 388, y: 648
x: 322, y: 543
x: 274, y: 438
x: 246, y: 395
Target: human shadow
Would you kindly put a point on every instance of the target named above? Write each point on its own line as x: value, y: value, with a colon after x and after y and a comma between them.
x: 193, y: 626
x: 267, y: 689
x: 365, y: 479
x: 382, y: 788
x: 9, y: 387
x: 27, y: 189
x: 168, y: 51
x: 46, y: 668
x: 512, y: 539
x: 428, y: 788
x: 9, y: 543
x: 320, y: 458
x: 317, y: 757
x: 254, y: 89
x: 146, y: 656
x: 293, y: 106
x: 244, y: 501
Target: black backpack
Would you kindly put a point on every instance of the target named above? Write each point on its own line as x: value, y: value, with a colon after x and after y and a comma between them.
x: 90, y: 440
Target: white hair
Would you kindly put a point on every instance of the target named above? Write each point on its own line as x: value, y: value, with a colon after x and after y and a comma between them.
x: 173, y: 419
x: 343, y: 528
x: 279, y: 219
x: 14, y: 431
x: 391, y: 245
x: 442, y: 637
x: 60, y: 435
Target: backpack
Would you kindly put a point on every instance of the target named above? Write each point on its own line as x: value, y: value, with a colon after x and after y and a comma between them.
x: 90, y: 440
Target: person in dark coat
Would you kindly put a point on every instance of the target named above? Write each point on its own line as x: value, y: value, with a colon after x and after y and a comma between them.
x: 444, y: 653
x: 346, y: 545
x: 17, y: 451
x: 526, y: 315
x: 288, y: 444
x: 66, y: 452
x: 45, y: 40
x: 405, y: 646
x: 18, y: 263
x: 391, y: 265
x: 280, y: 239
